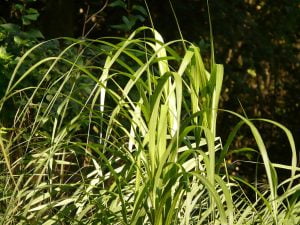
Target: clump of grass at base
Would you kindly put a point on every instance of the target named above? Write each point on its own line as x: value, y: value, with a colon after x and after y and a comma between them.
x: 123, y: 131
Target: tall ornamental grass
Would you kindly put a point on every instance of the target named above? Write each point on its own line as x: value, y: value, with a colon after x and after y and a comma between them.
x: 123, y: 131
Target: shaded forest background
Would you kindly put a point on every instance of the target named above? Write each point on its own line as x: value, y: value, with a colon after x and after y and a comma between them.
x: 257, y: 41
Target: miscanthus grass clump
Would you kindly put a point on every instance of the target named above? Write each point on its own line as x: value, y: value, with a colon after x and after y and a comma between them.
x: 123, y: 131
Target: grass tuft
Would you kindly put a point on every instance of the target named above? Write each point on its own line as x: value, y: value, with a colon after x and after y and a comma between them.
x: 123, y: 131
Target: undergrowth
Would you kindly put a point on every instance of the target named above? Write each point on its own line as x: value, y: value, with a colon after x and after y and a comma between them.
x: 123, y: 131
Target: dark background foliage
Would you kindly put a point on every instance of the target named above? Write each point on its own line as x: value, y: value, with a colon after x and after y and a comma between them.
x: 257, y: 41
